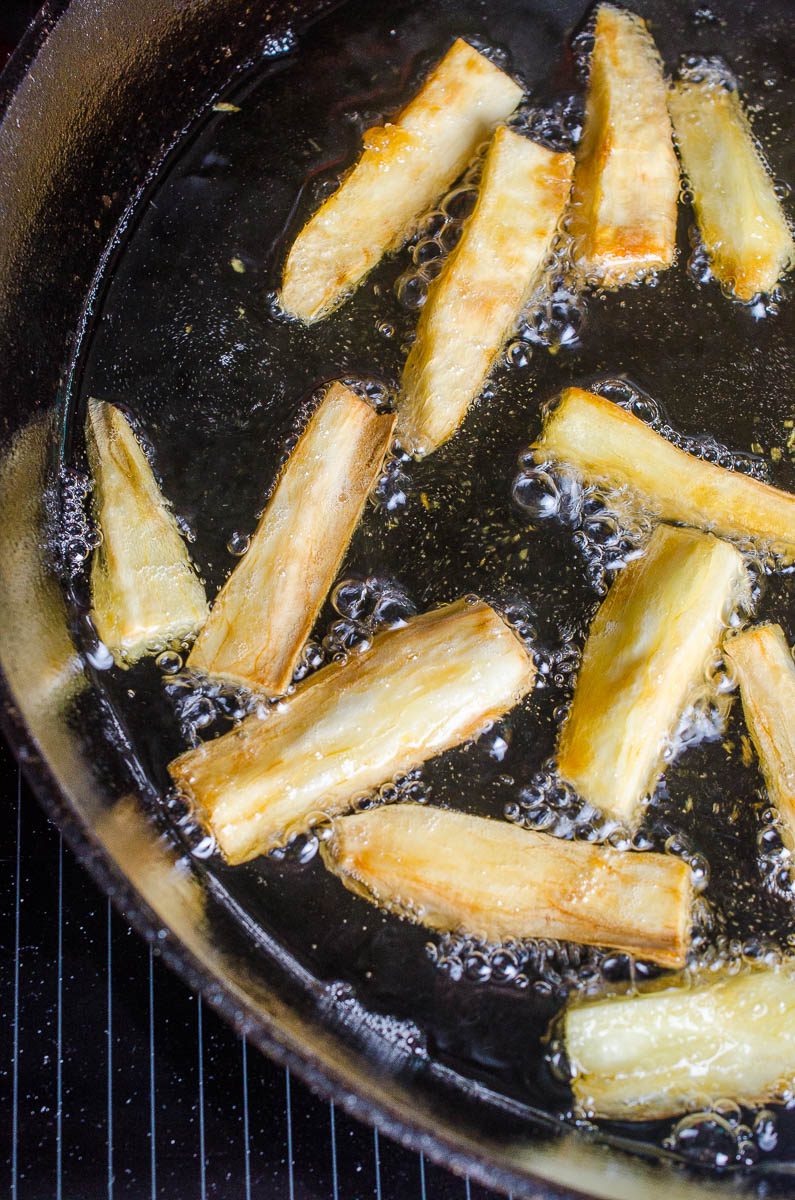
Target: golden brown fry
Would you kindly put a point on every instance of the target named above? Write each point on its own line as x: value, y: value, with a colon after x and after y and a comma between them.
x: 643, y: 1057
x: 742, y: 223
x: 605, y: 444
x: 415, y: 692
x: 763, y: 663
x: 476, y: 301
x: 144, y: 590
x: 403, y: 170
x: 265, y: 611
x: 646, y: 655
x: 626, y: 183
x: 455, y: 873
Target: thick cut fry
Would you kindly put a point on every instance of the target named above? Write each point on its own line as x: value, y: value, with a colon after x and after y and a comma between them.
x: 766, y: 671
x: 643, y: 1057
x: 475, y: 303
x: 144, y: 591
x: 416, y: 692
x: 626, y: 183
x: 605, y: 444
x: 646, y: 653
x: 742, y: 224
x: 459, y: 873
x: 266, y: 609
x: 403, y: 169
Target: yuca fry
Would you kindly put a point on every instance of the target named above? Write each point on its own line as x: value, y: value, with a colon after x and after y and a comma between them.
x: 265, y: 611
x: 605, y: 444
x: 626, y: 182
x: 144, y: 590
x: 646, y: 654
x: 403, y: 169
x: 742, y: 223
x: 415, y: 692
x: 458, y: 873
x: 763, y: 663
x: 644, y: 1057
x: 487, y: 280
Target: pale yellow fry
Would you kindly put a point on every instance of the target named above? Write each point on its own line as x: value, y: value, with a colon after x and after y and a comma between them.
x: 645, y: 658
x: 643, y: 1057
x: 475, y: 303
x: 144, y: 590
x: 741, y: 220
x: 763, y: 663
x: 458, y: 873
x: 605, y: 444
x: 626, y: 183
x: 415, y: 692
x: 265, y: 611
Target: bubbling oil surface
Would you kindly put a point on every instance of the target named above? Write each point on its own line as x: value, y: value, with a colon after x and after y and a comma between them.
x: 187, y: 338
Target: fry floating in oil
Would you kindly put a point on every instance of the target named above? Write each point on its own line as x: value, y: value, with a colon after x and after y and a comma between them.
x: 643, y: 1057
x: 475, y: 303
x: 764, y: 666
x: 604, y: 444
x: 742, y: 223
x: 437, y: 682
x: 646, y: 655
x: 626, y: 184
x: 404, y: 168
x: 458, y: 873
x: 144, y: 590
x: 266, y: 609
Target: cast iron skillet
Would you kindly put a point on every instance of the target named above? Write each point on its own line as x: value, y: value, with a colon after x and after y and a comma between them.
x: 93, y: 100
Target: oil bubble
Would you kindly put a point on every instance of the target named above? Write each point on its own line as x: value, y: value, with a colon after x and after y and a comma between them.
x: 169, y: 662
x: 202, y: 704
x: 365, y: 606
x: 704, y: 16
x: 714, y: 71
x: 394, y: 487
x: 458, y: 204
x: 549, y: 804
x: 238, y: 543
x: 537, y: 494
x: 345, y: 635
x: 206, y: 848
x: 426, y: 251
x: 301, y: 848
x: 551, y: 968
x: 582, y: 48
x: 765, y: 1130
x: 72, y: 535
x: 438, y: 232
x: 411, y: 291
x: 710, y: 1140
x: 353, y: 598
x: 555, y: 318
x: 99, y: 656
x: 310, y: 659
x: 557, y: 125
x: 519, y: 354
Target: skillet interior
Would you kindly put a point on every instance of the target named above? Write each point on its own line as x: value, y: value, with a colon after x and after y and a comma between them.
x: 190, y: 399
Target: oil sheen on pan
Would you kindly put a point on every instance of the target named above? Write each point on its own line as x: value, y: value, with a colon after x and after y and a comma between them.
x: 189, y: 339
